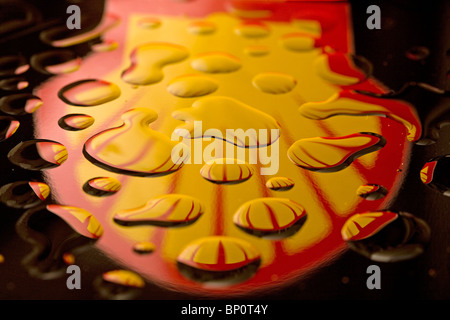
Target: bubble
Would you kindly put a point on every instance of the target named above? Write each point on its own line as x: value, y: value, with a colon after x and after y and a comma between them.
x: 252, y: 30
x: 216, y: 62
x: 226, y: 171
x: 102, y: 186
x: 90, y: 92
x: 271, y: 218
x: 372, y: 191
x: 192, y: 85
x: 148, y: 60
x: 38, y: 154
x: 331, y: 154
x: 436, y: 174
x: 280, y: 184
x: 13, y: 84
x: 20, y: 104
x: 76, y: 122
x: 13, y: 65
x: 170, y: 210
x: 24, y: 194
x: 134, y: 148
x: 8, y: 126
x: 202, y: 27
x: 55, y: 62
x: 219, y: 260
x: 274, y: 82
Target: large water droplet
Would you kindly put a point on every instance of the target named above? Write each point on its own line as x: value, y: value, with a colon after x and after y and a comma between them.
x: 76, y: 122
x: 193, y: 85
x: 56, y: 62
x: 274, y: 82
x: 226, y: 171
x: 148, y: 60
x: 24, y: 194
x: 102, y: 186
x: 38, y: 154
x: 280, y: 184
x: 20, y: 104
x: 436, y: 174
x: 170, y: 210
x: 216, y: 62
x: 8, y: 126
x: 90, y: 92
x: 219, y: 260
x: 331, y: 154
x: 273, y: 218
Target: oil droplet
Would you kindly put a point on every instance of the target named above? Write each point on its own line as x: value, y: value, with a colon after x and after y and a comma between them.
x: 144, y: 247
x: 342, y: 68
x: 202, y: 27
x: 13, y: 65
x: 119, y: 285
x: 272, y: 218
x: 24, y: 194
x: 102, y: 186
x: 386, y: 236
x: 331, y: 154
x: 299, y: 42
x: 219, y: 260
x: 81, y: 220
x: 20, y: 104
x: 149, y: 23
x: 274, y: 82
x: 348, y: 102
x: 372, y: 191
x: 436, y: 174
x: 147, y: 61
x: 216, y: 62
x: 252, y: 29
x: 192, y: 85
x: 38, y: 154
x: 237, y: 122
x: 257, y: 50
x: 13, y: 84
x: 280, y: 184
x: 417, y: 53
x: 90, y: 92
x: 8, y: 126
x: 134, y: 148
x: 226, y: 171
x: 76, y: 122
x: 56, y: 62
x: 170, y: 210
x: 105, y: 46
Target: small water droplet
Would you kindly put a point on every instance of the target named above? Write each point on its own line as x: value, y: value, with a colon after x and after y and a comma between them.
x: 13, y: 65
x: 68, y: 258
x: 192, y: 85
x: 271, y: 218
x: 20, y: 104
x: 105, y: 46
x: 226, y: 171
x: 90, y: 92
x: 76, y: 122
x: 372, y: 191
x: 13, y: 84
x: 102, y: 186
x: 417, y: 53
x: 436, y: 174
x: 274, y: 82
x: 149, y: 23
x: 144, y: 247
x: 252, y: 29
x: 202, y: 27
x: 170, y: 210
x: 2, y: 258
x: 38, y: 154
x: 257, y: 50
x: 280, y: 184
x: 24, y: 194
x: 299, y: 42
x: 56, y: 62
x: 216, y: 62
x: 8, y: 126
x: 119, y: 285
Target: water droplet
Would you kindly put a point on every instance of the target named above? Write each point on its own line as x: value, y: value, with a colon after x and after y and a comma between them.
x: 149, y: 23
x: 299, y: 42
x: 372, y: 191
x: 252, y: 29
x: 8, y: 126
x: 226, y: 171
x: 13, y: 65
x: 124, y: 277
x: 56, y: 62
x: 119, y: 285
x: 237, y: 122
x: 90, y: 92
x: 386, y: 236
x: 257, y: 50
x: 13, y: 84
x: 2, y: 258
x: 348, y: 102
x: 105, y: 46
x: 76, y: 122
x: 24, y: 194
x: 148, y: 60
x: 102, y: 186
x: 274, y: 82
x: 38, y: 154
x: 144, y: 247
x: 134, y: 148
x: 331, y: 154
x: 417, y: 53
x: 280, y: 184
x: 219, y: 260
x: 68, y: 258
x: 81, y: 220
x: 20, y: 104
x: 192, y: 85
x: 342, y: 68
x: 216, y: 62
x: 436, y: 174
x: 202, y: 27
x: 170, y: 210
x: 272, y: 218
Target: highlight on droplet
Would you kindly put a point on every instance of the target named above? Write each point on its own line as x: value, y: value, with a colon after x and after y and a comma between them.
x: 89, y: 92
x: 226, y: 171
x: 20, y: 104
x: 280, y: 184
x: 8, y: 126
x: 76, y: 122
x: 331, y: 154
x: 170, y: 210
x: 24, y: 194
x: 192, y: 85
x: 274, y: 82
x: 38, y: 154
x: 371, y: 191
x: 216, y: 62
x: 272, y: 218
x: 102, y: 186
